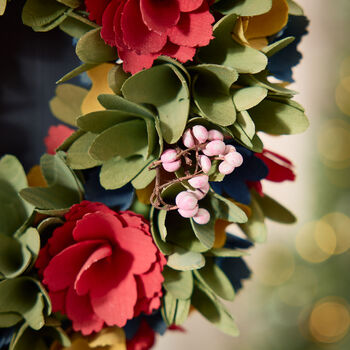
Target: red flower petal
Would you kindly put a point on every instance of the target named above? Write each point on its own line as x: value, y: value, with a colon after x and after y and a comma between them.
x: 151, y: 281
x: 63, y: 268
x: 116, y: 306
x: 136, y: 35
x: 159, y: 15
x: 61, y: 238
x: 56, y: 136
x: 144, y: 338
x: 194, y: 28
x: 189, y: 5
x: 181, y: 53
x: 98, y: 225
x: 133, y: 62
x: 107, y: 31
x: 83, y: 285
x: 58, y: 301
x: 77, y: 211
x: 79, y: 310
x: 96, y: 9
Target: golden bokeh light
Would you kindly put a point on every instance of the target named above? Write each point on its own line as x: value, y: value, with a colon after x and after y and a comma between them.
x: 316, y: 241
x: 341, y: 227
x: 338, y: 177
x: 345, y: 67
x: 333, y: 143
x: 342, y: 95
x: 329, y: 320
x: 278, y: 265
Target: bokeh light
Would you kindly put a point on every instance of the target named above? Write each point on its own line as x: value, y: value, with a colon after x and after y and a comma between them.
x: 316, y: 241
x: 329, y: 320
x: 272, y: 273
x: 342, y: 94
x: 333, y: 143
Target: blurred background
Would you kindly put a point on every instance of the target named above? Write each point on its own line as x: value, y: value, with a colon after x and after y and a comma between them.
x: 299, y: 292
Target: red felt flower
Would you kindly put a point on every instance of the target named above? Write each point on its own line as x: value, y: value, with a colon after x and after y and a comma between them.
x: 142, y: 30
x: 101, y: 267
x: 144, y: 338
x: 55, y: 137
x: 280, y: 169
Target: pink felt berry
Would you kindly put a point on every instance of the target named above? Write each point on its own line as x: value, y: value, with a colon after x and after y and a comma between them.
x: 205, y: 188
x: 214, y: 148
x: 234, y: 158
x: 188, y: 139
x: 202, y: 217
x: 188, y: 213
x: 172, y: 166
x: 215, y: 135
x: 226, y: 168
x: 229, y: 148
x: 186, y: 200
x: 200, y: 133
x: 199, y: 193
x: 168, y: 156
x: 199, y: 181
x: 205, y: 163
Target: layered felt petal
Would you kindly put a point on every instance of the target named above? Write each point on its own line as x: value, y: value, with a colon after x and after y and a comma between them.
x: 56, y: 136
x: 96, y: 9
x: 189, y: 5
x: 194, y: 28
x: 77, y: 211
x: 159, y: 15
x: 181, y: 53
x: 136, y: 34
x: 63, y: 268
x: 107, y: 31
x: 79, y: 310
x: 134, y: 62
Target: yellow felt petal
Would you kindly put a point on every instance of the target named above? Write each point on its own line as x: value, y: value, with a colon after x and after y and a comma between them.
x: 79, y: 344
x: 220, y: 233
x: 268, y: 23
x: 112, y: 338
x: 35, y: 177
x: 245, y: 208
x: 258, y: 43
x: 99, y: 78
x: 240, y: 29
x: 144, y: 194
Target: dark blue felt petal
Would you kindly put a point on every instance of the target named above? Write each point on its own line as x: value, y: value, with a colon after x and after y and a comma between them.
x: 156, y: 322
x: 5, y: 337
x: 232, y: 242
x: 120, y: 199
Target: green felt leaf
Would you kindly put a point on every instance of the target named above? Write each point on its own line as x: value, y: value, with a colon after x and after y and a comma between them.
x: 243, y: 7
x: 3, y: 4
x: 144, y: 178
x: 70, y: 140
x: 22, y: 296
x: 255, y: 144
x: 42, y: 339
x: 246, y: 124
x: 63, y: 189
x: 116, y: 78
x: 39, y: 14
x: 161, y: 224
x: 185, y: 260
x: 215, y: 279
x: 211, y: 93
x: 277, y: 118
x: 226, y: 210
x: 205, y: 233
x: 74, y: 27
x: 180, y: 232
x: 178, y: 283
x: 223, y: 50
x: 31, y: 240
x: 225, y: 253
x: 255, y: 227
x: 168, y: 309
x: 177, y: 64
x: 261, y: 80
x: 277, y: 46
x: 182, y: 311
x: 286, y: 100
x: 124, y: 139
x: 14, y: 257
x: 214, y: 311
x: 294, y: 8
x: 71, y: 3
x: 274, y: 210
x: 248, y: 97
x: 75, y: 72
x: 92, y: 49
x: 9, y: 319
x: 164, y: 247
x: 78, y: 156
x: 11, y: 171
x: 165, y: 88
x: 49, y: 224
x: 99, y: 121
x: 117, y: 172
x: 65, y: 106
